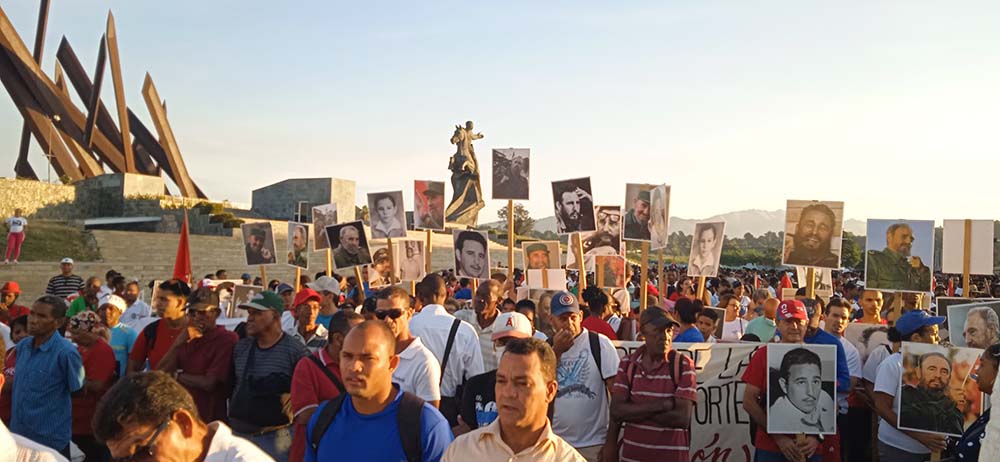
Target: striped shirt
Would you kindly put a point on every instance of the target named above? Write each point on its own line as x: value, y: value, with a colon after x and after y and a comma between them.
x: 272, y: 369
x: 648, y: 440
x: 64, y: 286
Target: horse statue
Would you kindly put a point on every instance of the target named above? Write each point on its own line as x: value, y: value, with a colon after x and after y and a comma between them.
x: 468, y: 194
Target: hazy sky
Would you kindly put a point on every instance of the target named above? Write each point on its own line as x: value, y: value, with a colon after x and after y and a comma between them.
x: 884, y: 105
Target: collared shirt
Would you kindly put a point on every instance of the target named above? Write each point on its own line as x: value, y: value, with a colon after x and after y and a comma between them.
x: 310, y: 387
x: 432, y: 325
x: 64, y: 286
x: 648, y: 440
x: 43, y: 381
x: 25, y: 450
x: 393, y: 229
x: 486, y: 445
x: 135, y: 314
x: 210, y: 355
x: 418, y: 372
x: 225, y: 447
x: 79, y: 305
x: 315, y: 342
x: 485, y: 338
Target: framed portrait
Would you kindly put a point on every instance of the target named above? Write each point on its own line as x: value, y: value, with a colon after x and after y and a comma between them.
x: 379, y: 273
x: 350, y: 245
x: 574, y: 206
x: 322, y: 216
x: 936, y: 394
x: 822, y: 280
x: 258, y: 243
x: 428, y: 205
x: 813, y: 232
x: 386, y: 214
x: 980, y: 251
x: 706, y: 249
x: 638, y: 200
x: 719, y: 322
x: 610, y: 271
x: 802, y: 389
x: 659, y: 217
x: 975, y: 324
x: 298, y: 245
x: 472, y: 256
x: 900, y: 255
x: 242, y: 295
x: 510, y: 174
x: 867, y: 337
x: 411, y: 262
x: 541, y: 255
x: 943, y: 303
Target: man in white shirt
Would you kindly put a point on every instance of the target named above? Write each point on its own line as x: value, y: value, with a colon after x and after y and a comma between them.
x: 434, y: 326
x: 838, y: 316
x: 895, y: 444
x: 137, y: 310
x: 151, y: 411
x: 585, y: 378
x: 418, y: 371
x: 486, y: 306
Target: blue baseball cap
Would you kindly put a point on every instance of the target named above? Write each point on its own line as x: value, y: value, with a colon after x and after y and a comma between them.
x: 564, y: 302
x: 913, y: 321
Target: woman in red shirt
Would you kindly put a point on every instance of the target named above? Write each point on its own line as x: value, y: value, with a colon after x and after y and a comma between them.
x: 90, y: 337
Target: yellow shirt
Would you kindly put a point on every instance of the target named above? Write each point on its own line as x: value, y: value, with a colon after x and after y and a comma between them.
x: 485, y: 445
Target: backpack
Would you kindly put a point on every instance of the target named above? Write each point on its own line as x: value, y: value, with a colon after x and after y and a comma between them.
x: 447, y: 347
x: 333, y: 378
x: 408, y: 416
x: 595, y: 349
x: 150, y: 333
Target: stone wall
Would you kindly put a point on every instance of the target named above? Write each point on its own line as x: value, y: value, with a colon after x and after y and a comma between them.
x: 30, y: 196
x: 280, y: 201
x: 105, y: 195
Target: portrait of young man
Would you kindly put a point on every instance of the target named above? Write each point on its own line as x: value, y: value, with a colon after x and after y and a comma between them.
x: 472, y: 256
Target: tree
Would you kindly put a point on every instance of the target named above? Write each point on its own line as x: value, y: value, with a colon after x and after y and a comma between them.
x: 523, y: 223
x: 852, y: 254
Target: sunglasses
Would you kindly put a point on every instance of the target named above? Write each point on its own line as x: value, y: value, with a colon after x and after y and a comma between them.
x: 394, y: 313
x: 145, y: 452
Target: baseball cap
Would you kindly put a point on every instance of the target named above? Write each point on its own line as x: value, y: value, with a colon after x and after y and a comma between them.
x: 66, y: 260
x: 434, y: 189
x: 644, y: 196
x: 265, y: 300
x: 657, y: 317
x: 913, y: 321
x: 283, y: 287
x: 11, y: 287
x: 305, y: 295
x: 325, y: 284
x: 512, y: 324
x: 792, y: 309
x: 246, y: 276
x: 113, y: 300
x: 564, y: 302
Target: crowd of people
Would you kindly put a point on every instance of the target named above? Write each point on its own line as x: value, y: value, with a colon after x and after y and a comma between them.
x: 454, y: 370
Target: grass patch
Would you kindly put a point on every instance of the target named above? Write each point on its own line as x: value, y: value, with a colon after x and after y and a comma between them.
x: 53, y: 241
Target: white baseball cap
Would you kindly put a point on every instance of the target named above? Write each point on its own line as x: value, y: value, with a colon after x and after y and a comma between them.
x: 511, y: 324
x: 67, y: 260
x: 115, y: 301
x: 325, y: 284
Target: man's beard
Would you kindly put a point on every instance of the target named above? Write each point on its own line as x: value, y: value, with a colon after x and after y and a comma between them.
x: 823, y: 249
x: 569, y: 222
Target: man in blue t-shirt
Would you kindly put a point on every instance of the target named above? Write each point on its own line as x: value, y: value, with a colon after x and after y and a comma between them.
x: 687, y: 314
x: 366, y: 425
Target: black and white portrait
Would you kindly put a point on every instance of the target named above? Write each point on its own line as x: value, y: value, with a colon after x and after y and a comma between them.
x: 322, y: 216
x: 386, y: 214
x: 574, y: 206
x: 813, y: 232
x: 380, y: 271
x: 258, y: 243
x: 706, y: 249
x: 411, y: 264
x: 350, y: 246
x: 472, y: 255
x: 659, y: 217
x: 510, y: 174
x: 801, y: 389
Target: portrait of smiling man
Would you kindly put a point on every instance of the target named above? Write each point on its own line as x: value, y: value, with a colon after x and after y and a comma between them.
x: 812, y: 235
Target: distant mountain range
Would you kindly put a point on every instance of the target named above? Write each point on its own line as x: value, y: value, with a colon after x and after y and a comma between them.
x: 755, y: 222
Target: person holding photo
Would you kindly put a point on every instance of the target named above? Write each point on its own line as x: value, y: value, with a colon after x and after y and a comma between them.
x: 969, y: 445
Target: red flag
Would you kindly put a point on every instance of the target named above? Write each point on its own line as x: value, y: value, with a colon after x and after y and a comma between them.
x: 182, y: 264
x: 786, y: 283
x: 951, y: 287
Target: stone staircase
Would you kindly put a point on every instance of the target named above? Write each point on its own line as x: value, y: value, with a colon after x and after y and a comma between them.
x: 150, y: 256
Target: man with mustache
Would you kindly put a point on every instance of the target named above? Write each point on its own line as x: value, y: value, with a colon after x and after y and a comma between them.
x: 470, y: 255
x: 893, y: 267
x: 811, y: 243
x: 927, y: 405
x: 350, y: 251
x: 637, y: 218
x: 571, y: 203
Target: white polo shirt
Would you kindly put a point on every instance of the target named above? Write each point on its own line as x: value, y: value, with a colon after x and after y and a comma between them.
x: 432, y: 326
x: 225, y: 447
x: 419, y: 372
x: 485, y: 338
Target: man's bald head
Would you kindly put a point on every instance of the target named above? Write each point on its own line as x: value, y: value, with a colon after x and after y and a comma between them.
x: 377, y: 330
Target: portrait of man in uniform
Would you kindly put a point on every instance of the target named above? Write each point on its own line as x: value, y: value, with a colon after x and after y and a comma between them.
x: 900, y: 255
x: 428, y: 205
x: 926, y: 401
x: 298, y: 245
x: 637, y: 206
x: 258, y: 243
x: 540, y: 254
x: 350, y: 246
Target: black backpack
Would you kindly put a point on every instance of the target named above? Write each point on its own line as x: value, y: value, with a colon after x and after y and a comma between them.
x: 407, y: 419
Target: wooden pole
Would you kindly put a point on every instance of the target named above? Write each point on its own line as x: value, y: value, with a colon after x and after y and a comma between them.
x: 428, y: 247
x: 600, y: 271
x: 361, y: 281
x: 967, y: 262
x: 811, y: 283
x: 263, y: 276
x: 644, y: 277
x: 329, y: 262
x: 580, y: 264
x: 298, y: 277
x: 701, y: 287
x: 662, y: 281
x: 510, y: 240
x: 475, y: 286
x: 392, y: 261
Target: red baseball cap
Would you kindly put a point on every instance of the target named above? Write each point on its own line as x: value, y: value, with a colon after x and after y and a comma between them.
x: 11, y: 287
x: 305, y: 295
x: 792, y: 309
